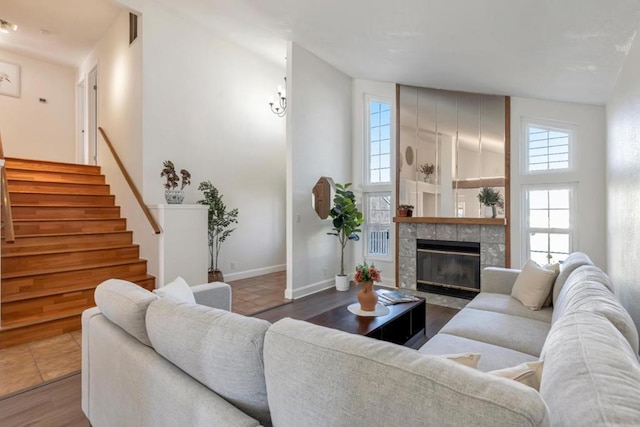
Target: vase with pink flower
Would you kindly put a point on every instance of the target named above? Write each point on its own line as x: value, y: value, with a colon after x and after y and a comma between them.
x: 366, y: 275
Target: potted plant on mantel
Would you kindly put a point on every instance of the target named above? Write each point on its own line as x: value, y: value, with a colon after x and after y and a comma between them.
x: 218, y: 226
x: 427, y: 170
x: 171, y: 195
x: 405, y: 210
x: 346, y: 226
x: 490, y: 197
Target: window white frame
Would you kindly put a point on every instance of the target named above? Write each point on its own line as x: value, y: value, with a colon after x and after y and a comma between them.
x: 570, y: 128
x: 367, y: 141
x: 370, y: 227
x: 572, y: 231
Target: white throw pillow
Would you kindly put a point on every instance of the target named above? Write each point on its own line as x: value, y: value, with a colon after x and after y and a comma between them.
x: 178, y: 289
x: 529, y: 373
x: 553, y: 267
x: 467, y: 359
x: 533, y: 285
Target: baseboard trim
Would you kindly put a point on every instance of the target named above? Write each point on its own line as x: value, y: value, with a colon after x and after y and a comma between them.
x: 253, y: 273
x: 309, y: 289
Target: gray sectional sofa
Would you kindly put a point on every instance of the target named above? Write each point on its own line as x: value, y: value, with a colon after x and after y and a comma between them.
x: 160, y: 362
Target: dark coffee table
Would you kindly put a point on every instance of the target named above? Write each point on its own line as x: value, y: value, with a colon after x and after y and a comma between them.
x: 404, y: 325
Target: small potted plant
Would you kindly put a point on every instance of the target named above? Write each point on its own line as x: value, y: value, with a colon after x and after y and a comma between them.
x: 490, y: 197
x: 405, y: 210
x: 219, y: 221
x: 346, y: 220
x: 428, y: 169
x: 171, y: 194
x: 366, y: 275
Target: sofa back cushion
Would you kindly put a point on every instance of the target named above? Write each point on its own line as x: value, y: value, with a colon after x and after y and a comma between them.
x: 323, y: 377
x: 591, y: 374
x: 589, y: 289
x: 220, y: 349
x: 125, y: 304
x: 573, y: 261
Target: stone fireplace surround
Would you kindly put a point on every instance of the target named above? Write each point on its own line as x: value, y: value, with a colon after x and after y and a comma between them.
x: 490, y: 237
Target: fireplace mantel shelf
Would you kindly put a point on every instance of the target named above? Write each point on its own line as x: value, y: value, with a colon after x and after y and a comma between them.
x: 438, y: 220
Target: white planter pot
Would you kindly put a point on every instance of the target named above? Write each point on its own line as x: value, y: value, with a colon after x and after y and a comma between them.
x: 174, y: 197
x: 342, y: 283
x: 490, y: 211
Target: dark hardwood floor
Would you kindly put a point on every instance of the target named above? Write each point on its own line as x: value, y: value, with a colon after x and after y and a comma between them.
x: 58, y: 403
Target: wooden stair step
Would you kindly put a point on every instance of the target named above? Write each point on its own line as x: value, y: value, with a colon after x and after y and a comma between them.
x: 52, y: 270
x: 69, y: 241
x: 43, y: 187
x: 39, y: 199
x: 37, y: 309
x: 25, y: 263
x: 93, y: 273
x: 52, y: 176
x: 26, y: 333
x: 64, y: 212
x: 43, y: 165
x: 147, y: 281
x: 57, y: 226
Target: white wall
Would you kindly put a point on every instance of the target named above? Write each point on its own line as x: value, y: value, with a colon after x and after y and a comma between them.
x: 119, y: 68
x: 34, y: 130
x: 205, y: 108
x: 589, y: 173
x: 623, y: 184
x: 382, y: 91
x: 318, y: 144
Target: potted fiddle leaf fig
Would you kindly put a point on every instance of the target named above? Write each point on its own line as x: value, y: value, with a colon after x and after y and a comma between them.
x: 171, y: 194
x: 219, y: 221
x: 346, y: 226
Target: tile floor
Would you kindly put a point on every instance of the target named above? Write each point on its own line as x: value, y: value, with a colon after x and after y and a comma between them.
x: 32, y: 364
x: 255, y: 294
x: 28, y: 365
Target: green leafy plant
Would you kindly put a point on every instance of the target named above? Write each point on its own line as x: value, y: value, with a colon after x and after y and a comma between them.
x: 219, y: 221
x: 405, y: 207
x: 489, y: 196
x: 169, y: 172
x: 346, y: 219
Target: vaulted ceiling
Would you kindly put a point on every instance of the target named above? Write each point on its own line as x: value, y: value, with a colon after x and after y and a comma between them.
x: 570, y: 50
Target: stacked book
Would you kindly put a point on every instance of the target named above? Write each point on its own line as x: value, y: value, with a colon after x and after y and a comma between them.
x: 394, y: 297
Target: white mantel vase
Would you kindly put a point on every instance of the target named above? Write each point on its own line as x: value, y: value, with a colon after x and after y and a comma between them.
x: 490, y: 211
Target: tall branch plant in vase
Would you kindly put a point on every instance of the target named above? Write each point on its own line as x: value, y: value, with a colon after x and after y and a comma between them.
x: 347, y: 220
x: 219, y: 221
x: 490, y: 197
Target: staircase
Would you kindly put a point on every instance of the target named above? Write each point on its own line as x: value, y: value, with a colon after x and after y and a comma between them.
x: 69, y: 238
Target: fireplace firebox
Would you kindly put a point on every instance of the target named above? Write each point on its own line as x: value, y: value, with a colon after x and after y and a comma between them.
x: 450, y: 268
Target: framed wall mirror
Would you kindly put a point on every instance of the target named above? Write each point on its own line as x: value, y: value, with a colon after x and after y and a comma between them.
x: 458, y: 141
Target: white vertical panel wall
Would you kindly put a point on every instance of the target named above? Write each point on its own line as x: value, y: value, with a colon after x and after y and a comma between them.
x: 318, y: 144
x: 589, y: 173
x: 623, y: 185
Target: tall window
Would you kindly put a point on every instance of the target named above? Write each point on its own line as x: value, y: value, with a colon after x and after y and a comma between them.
x: 377, y: 226
x: 548, y: 148
x: 550, y: 227
x: 379, y: 152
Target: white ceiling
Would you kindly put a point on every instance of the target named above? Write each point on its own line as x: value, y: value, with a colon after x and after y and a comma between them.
x: 73, y: 26
x: 569, y: 50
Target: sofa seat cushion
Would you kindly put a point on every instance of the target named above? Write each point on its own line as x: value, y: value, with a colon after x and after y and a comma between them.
x: 504, y: 330
x: 492, y: 357
x: 506, y: 304
x: 220, y: 349
x: 573, y: 261
x: 125, y: 304
x: 318, y: 376
x: 588, y: 289
x: 591, y: 374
